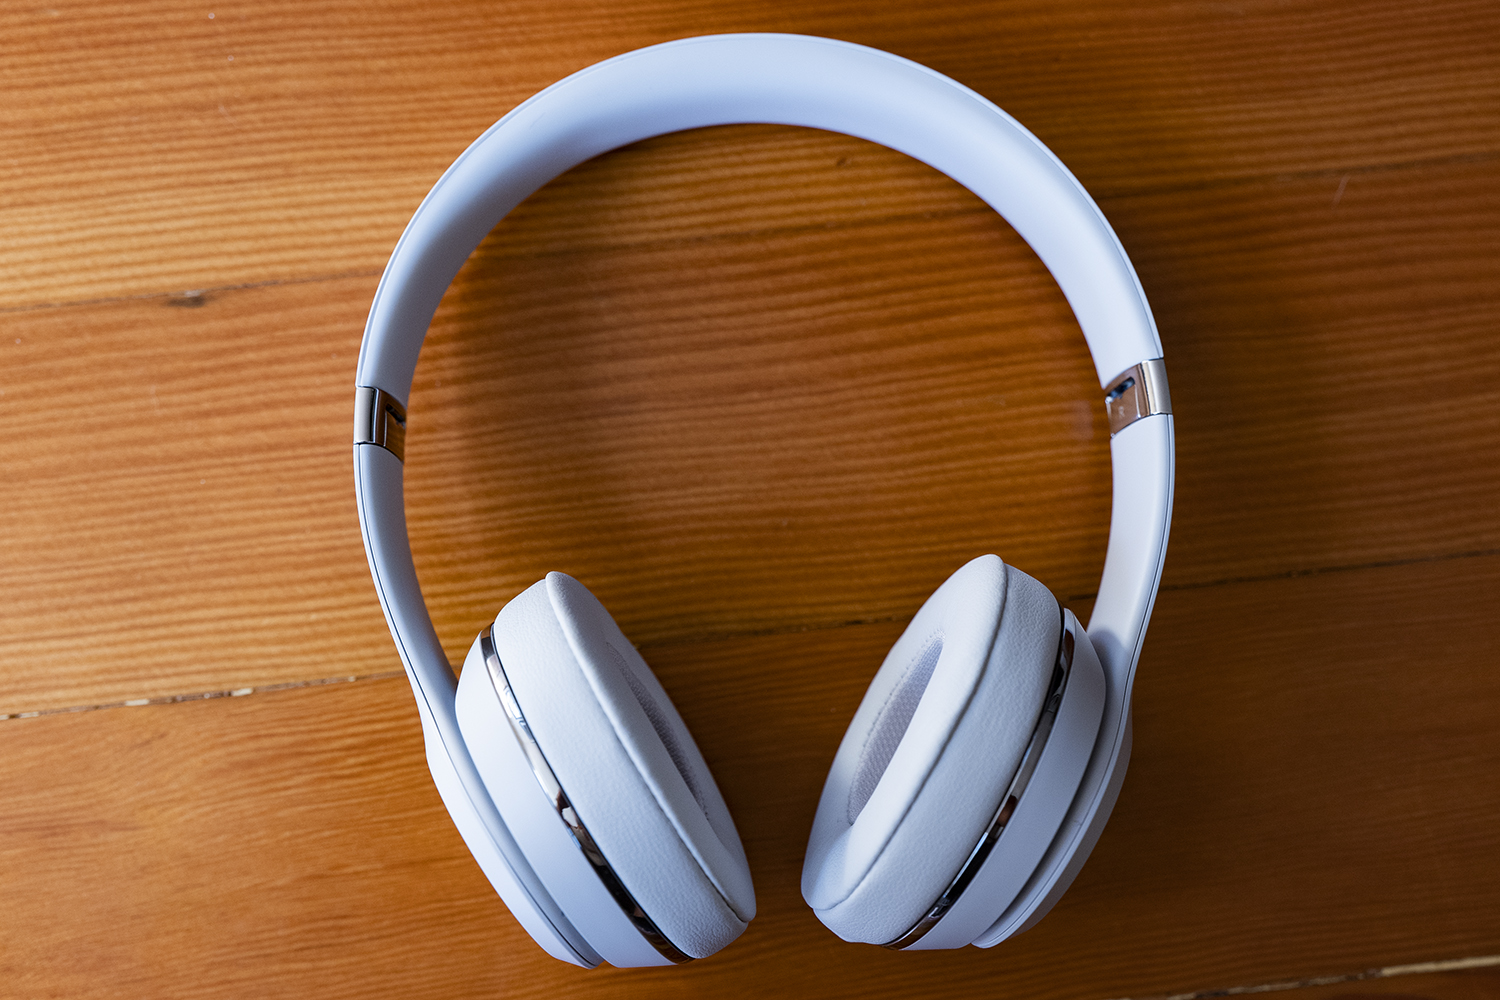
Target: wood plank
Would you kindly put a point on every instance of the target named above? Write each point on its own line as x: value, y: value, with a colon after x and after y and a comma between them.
x: 1320, y: 335
x: 180, y: 503
x: 726, y: 435
x: 1470, y: 984
x: 1305, y: 735
x: 1311, y: 791
x: 927, y: 367
x: 162, y: 147
x: 762, y: 389
x: 1473, y: 979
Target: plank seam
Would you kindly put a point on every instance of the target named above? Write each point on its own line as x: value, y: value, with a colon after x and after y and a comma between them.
x: 1387, y: 972
x: 173, y: 699
x: 748, y: 634
x: 1087, y: 596
x: 1324, y: 570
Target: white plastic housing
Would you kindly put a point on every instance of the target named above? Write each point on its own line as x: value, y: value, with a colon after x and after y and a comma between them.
x: 378, y: 480
x: 550, y: 847
x: 1144, y: 458
x: 1041, y: 810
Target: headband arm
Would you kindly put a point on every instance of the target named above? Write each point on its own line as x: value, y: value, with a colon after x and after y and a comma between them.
x: 382, y: 518
x: 1142, y: 455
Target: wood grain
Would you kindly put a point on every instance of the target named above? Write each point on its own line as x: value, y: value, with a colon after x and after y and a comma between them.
x: 1469, y: 984
x: 724, y: 434
x: 291, y: 842
x: 154, y: 148
x: 1333, y: 365
x: 171, y: 531
x: 762, y: 389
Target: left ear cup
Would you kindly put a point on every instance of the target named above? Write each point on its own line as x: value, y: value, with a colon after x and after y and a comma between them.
x: 624, y: 759
x: 933, y: 746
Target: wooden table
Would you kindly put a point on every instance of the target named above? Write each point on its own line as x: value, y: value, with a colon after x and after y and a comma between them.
x: 762, y: 390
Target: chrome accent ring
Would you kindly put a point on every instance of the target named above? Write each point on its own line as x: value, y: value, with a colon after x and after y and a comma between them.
x: 1061, y: 670
x: 379, y: 418
x: 1137, y: 393
x: 559, y: 799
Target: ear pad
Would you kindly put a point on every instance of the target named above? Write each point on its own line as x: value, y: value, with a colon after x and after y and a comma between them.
x: 935, y: 743
x: 625, y: 759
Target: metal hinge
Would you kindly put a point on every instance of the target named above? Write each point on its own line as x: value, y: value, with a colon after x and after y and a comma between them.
x: 1136, y: 393
x: 379, y: 418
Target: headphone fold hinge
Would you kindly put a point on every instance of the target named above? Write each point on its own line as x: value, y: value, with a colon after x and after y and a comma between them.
x: 379, y: 418
x: 1136, y: 393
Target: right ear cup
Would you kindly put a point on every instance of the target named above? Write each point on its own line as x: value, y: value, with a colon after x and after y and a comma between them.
x: 625, y: 761
x: 932, y: 748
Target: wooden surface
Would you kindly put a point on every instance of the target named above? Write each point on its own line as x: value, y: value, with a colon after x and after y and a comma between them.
x: 762, y: 390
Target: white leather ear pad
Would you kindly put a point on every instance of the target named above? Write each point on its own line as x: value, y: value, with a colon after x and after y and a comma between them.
x: 626, y: 760
x: 935, y: 743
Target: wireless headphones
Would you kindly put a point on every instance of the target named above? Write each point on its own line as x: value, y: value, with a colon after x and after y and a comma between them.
x: 983, y: 762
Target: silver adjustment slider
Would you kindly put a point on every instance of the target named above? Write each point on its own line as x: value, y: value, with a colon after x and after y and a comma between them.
x: 379, y: 418
x: 1136, y: 393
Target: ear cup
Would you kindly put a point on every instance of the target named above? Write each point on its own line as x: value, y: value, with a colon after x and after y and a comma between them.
x: 932, y: 747
x: 626, y: 761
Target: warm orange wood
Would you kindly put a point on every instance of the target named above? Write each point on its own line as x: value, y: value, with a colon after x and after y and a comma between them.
x: 762, y: 389
x: 728, y: 435
x: 1470, y: 984
x: 1334, y: 360
x: 151, y: 148
x: 1309, y: 796
x: 908, y: 371
x: 179, y: 501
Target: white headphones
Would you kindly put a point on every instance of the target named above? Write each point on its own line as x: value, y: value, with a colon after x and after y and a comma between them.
x: 983, y: 762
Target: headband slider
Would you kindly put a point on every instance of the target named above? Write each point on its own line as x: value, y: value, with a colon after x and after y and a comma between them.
x: 1135, y: 393
x: 379, y: 418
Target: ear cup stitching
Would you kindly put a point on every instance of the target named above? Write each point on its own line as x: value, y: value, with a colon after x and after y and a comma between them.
x: 889, y: 729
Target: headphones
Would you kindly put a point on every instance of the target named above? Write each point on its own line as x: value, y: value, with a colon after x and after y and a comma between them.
x: 982, y: 764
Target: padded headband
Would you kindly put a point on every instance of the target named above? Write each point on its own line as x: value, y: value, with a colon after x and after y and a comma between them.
x: 788, y: 80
